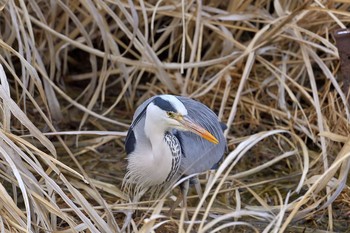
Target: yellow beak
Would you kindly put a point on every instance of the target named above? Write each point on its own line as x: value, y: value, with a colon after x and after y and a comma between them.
x: 197, y: 129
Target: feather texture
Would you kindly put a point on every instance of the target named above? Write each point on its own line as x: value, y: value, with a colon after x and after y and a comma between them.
x: 150, y: 163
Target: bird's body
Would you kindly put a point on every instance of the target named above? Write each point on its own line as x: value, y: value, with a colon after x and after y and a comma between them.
x: 172, y: 136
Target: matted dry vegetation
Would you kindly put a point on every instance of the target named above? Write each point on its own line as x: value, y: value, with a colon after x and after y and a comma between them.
x: 73, y: 72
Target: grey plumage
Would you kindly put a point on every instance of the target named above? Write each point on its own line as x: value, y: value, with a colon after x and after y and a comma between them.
x: 197, y: 154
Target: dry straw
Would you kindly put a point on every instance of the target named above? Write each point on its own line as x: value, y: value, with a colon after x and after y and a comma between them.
x: 73, y: 72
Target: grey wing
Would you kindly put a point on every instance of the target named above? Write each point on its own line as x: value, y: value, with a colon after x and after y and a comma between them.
x: 200, y: 155
x: 141, y: 107
x: 136, y: 130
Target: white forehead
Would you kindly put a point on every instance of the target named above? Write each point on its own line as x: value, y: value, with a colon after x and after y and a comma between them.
x: 176, y: 103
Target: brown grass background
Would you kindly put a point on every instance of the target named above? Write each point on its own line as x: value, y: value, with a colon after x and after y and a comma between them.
x: 73, y: 72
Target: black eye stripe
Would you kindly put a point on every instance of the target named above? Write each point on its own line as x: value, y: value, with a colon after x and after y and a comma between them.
x: 164, y: 104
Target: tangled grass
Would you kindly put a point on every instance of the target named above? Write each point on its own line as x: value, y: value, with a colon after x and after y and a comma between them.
x: 73, y: 72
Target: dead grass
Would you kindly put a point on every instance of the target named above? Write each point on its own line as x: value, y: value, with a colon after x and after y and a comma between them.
x: 73, y: 72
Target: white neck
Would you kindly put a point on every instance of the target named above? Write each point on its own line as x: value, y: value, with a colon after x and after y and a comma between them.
x: 154, y: 130
x: 158, y: 162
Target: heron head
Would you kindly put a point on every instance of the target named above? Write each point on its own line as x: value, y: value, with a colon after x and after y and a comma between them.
x: 173, y: 114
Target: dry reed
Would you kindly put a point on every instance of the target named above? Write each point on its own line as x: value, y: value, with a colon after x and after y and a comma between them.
x: 73, y: 72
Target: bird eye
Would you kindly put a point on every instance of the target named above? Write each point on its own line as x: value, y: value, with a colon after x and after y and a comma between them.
x: 170, y: 114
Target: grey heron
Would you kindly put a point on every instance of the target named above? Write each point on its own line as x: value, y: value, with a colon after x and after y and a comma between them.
x: 172, y: 136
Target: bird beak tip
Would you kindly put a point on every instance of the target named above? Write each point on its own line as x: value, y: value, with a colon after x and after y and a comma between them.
x: 209, y: 137
x: 199, y: 130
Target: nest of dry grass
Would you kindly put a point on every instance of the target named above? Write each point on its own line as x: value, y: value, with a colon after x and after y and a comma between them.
x: 73, y: 72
